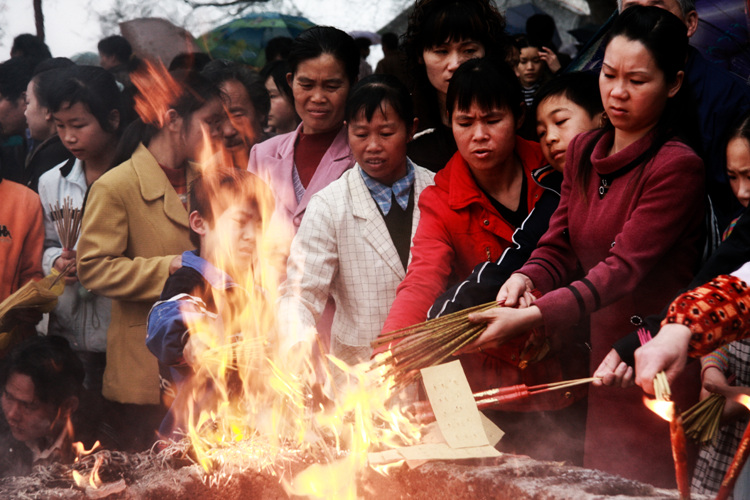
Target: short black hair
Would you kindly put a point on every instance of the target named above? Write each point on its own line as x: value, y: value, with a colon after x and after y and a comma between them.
x: 389, y: 41
x: 278, y: 48
x: 51, y: 364
x: 221, y: 70
x: 372, y: 92
x: 28, y: 45
x: 190, y: 61
x: 278, y: 70
x: 15, y: 74
x: 319, y: 40
x: 117, y: 46
x: 216, y: 189
x: 581, y: 87
x: 92, y: 86
x: 490, y: 84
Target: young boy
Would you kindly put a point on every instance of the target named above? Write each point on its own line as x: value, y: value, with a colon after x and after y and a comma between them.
x: 210, y: 286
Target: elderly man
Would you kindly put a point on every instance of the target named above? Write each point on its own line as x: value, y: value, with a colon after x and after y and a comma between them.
x: 42, y: 384
x: 247, y: 104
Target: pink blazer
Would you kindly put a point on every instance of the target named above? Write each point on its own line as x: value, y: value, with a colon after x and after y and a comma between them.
x: 273, y: 161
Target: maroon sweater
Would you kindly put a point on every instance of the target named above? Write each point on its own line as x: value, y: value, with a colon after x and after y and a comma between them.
x: 617, y: 259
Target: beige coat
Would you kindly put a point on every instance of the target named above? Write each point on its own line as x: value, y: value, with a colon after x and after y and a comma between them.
x: 133, y: 226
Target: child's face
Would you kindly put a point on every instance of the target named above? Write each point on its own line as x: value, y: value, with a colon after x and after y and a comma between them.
x: 738, y: 169
x: 529, y: 67
x: 558, y: 120
x: 379, y: 145
x: 230, y: 242
x: 486, y: 139
x: 81, y: 132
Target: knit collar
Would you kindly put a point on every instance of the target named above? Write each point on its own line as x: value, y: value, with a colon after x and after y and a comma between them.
x: 604, y: 164
x: 381, y: 193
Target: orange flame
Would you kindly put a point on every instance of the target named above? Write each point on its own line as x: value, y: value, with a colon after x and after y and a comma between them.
x: 742, y: 399
x: 157, y: 92
x: 665, y: 409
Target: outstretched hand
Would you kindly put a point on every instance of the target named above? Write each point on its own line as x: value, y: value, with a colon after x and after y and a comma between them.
x: 503, y: 324
x: 514, y: 289
x: 666, y: 352
x: 613, y: 371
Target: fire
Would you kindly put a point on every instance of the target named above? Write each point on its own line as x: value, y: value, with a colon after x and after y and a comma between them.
x: 743, y: 399
x: 665, y: 409
x: 91, y: 479
x: 246, y: 406
x: 157, y: 90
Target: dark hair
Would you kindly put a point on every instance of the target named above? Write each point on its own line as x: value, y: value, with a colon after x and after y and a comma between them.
x: 220, y: 71
x: 540, y: 28
x: 373, y: 92
x: 740, y: 129
x: 52, y: 63
x: 15, y: 74
x: 117, y: 46
x: 215, y: 190
x: 53, y: 367
x: 523, y: 41
x: 278, y: 48
x: 47, y: 75
x: 432, y: 23
x: 92, y: 86
x: 487, y: 83
x: 278, y: 71
x: 581, y: 87
x: 389, y: 41
x: 189, y: 61
x: 664, y: 35
x: 319, y: 40
x: 28, y: 45
x: 194, y: 92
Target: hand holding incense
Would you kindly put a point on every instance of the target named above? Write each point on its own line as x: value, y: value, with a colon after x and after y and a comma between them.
x: 67, y: 221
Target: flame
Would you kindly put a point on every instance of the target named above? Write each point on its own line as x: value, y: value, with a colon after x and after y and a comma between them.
x: 665, y: 409
x: 81, y: 451
x: 742, y: 399
x: 157, y: 91
x: 247, y: 405
x: 91, y: 479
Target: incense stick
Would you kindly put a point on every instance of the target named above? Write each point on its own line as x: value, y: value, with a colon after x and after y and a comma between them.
x: 67, y: 221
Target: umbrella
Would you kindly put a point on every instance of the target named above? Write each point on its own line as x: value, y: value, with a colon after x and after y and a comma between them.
x: 157, y: 38
x: 245, y: 38
x: 722, y: 34
x: 515, y: 17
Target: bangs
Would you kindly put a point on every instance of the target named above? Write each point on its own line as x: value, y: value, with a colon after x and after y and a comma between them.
x: 456, y: 22
x: 486, y: 84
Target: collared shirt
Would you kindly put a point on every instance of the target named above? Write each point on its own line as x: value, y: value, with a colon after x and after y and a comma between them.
x: 400, y: 189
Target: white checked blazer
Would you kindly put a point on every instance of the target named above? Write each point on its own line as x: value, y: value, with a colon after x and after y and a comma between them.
x: 343, y: 249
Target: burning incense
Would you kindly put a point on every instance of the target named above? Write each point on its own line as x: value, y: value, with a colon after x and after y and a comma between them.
x: 665, y: 408
x: 67, y: 221
x: 739, y: 460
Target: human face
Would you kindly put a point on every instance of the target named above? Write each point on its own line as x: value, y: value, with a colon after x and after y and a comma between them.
x: 558, y: 120
x: 243, y: 127
x: 738, y: 169
x: 633, y: 88
x: 320, y: 87
x: 38, y: 119
x: 485, y: 138
x: 203, y: 126
x: 29, y: 419
x: 12, y: 119
x: 379, y: 145
x: 81, y: 132
x: 441, y: 61
x: 230, y: 242
x: 529, y: 67
x: 281, y: 116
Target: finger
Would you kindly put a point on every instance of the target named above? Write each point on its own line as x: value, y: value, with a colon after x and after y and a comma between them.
x: 627, y: 380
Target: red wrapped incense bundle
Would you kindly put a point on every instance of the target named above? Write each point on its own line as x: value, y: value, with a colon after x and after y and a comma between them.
x: 738, y: 462
x: 679, y: 454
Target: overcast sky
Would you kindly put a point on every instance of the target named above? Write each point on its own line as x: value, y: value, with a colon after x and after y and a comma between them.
x: 72, y: 26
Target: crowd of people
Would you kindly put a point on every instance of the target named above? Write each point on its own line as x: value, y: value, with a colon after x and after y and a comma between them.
x: 470, y: 167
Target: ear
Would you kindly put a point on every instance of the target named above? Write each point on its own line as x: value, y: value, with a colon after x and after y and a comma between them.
x: 675, y: 86
x: 289, y: 79
x: 172, y: 121
x: 48, y: 115
x: 114, y: 119
x: 21, y: 101
x: 691, y: 21
x: 603, y: 119
x: 413, y: 130
x: 198, y: 223
x: 69, y: 406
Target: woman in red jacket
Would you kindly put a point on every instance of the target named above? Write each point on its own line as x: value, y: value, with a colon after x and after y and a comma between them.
x: 486, y: 191
x: 625, y: 238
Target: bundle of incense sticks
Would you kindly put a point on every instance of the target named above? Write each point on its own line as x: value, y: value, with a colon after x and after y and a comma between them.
x: 702, y: 419
x: 67, y: 221
x: 428, y: 343
x: 497, y: 397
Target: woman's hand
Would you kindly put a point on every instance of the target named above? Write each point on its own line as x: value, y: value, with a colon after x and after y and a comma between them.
x: 503, y: 324
x: 666, y: 352
x: 512, y: 292
x: 549, y: 57
x: 614, y: 372
x: 67, y: 257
